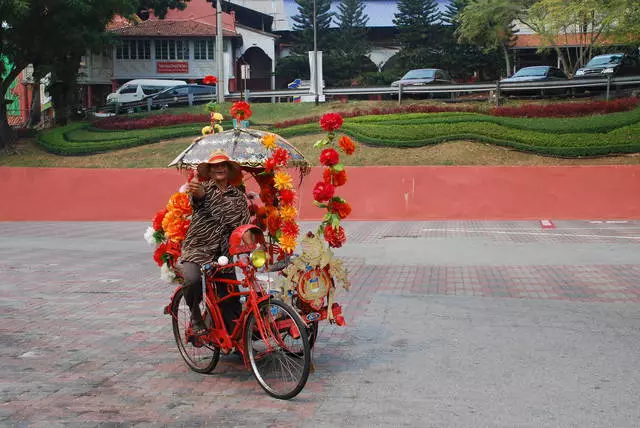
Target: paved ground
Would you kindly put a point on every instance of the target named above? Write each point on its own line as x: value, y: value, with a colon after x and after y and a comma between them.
x: 451, y: 324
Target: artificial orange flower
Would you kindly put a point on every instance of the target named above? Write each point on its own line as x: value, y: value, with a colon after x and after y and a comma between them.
x: 288, y: 243
x: 273, y: 222
x: 177, y: 230
x: 179, y: 202
x: 347, y: 145
x: 283, y: 180
x: 288, y: 212
x: 170, y: 218
x: 269, y: 141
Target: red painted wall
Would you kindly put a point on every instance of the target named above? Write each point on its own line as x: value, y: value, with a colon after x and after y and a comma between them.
x: 376, y: 193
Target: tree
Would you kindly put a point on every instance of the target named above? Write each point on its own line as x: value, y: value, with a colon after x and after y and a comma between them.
x: 38, y: 31
x: 582, y: 25
x: 303, y: 26
x: 349, y: 59
x: 352, y: 22
x: 453, y: 9
x: 418, y: 24
x: 489, y: 24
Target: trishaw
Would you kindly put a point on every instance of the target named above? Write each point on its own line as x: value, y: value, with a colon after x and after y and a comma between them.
x: 284, y: 295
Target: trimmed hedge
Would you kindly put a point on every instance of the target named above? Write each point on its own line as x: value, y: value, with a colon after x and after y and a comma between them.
x: 586, y: 136
x: 79, y: 139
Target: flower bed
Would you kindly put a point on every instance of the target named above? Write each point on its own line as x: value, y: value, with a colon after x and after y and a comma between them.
x: 567, y: 109
x: 154, y: 121
x: 414, y: 108
x: 526, y: 110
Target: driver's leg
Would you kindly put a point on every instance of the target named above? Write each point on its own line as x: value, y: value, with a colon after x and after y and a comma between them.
x: 193, y: 294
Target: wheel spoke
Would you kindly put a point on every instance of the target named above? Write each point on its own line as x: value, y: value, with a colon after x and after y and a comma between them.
x: 199, y: 356
x: 279, y: 360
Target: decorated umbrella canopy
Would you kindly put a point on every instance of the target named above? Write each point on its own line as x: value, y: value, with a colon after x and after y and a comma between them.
x: 243, y: 146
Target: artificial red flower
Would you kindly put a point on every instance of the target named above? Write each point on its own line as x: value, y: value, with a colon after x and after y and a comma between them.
x: 291, y: 228
x: 266, y: 196
x: 241, y: 110
x: 334, y: 236
x: 174, y: 249
x: 340, y: 207
x: 347, y: 145
x: 337, y: 178
x: 210, y: 80
x: 270, y: 165
x: 331, y: 122
x: 157, y: 220
x: 273, y: 222
x: 158, y: 253
x: 264, y: 180
x: 329, y: 157
x: 280, y: 156
x: 323, y: 191
x: 287, y: 196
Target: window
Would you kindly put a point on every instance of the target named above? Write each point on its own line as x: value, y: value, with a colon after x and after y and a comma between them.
x: 199, y: 90
x: 203, y: 49
x: 133, y: 49
x: 129, y: 89
x: 148, y: 90
x: 172, y: 49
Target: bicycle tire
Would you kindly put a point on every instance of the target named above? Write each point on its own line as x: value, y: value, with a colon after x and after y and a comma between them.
x: 210, y: 354
x: 290, y: 357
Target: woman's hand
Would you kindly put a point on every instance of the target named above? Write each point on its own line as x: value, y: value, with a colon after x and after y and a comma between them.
x: 196, y: 189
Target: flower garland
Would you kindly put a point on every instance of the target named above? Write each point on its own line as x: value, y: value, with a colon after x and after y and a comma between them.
x: 333, y: 176
x: 168, y: 230
x: 278, y: 216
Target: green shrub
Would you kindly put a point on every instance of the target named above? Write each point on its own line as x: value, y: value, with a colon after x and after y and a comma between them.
x: 570, y: 137
x: 79, y: 139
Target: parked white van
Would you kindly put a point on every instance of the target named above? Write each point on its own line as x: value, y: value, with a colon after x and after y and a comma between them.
x: 135, y: 90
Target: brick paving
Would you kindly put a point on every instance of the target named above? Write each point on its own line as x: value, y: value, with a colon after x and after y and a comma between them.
x: 83, y: 341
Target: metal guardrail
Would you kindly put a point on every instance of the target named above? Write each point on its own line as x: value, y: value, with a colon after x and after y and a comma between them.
x: 495, y: 88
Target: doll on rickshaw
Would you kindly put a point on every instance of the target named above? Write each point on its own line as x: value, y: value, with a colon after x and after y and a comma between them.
x: 248, y: 292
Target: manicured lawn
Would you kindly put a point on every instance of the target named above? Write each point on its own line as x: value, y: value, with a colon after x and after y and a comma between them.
x: 391, y: 139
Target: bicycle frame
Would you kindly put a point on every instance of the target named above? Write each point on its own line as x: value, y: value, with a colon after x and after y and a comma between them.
x: 218, y: 335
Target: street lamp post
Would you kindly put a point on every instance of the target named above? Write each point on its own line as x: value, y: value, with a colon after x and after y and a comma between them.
x: 219, y: 53
x: 315, y: 53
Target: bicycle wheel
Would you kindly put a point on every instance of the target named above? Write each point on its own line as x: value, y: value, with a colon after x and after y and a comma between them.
x: 280, y: 359
x: 201, y: 357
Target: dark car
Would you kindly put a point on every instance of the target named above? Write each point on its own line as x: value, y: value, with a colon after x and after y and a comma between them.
x: 542, y: 73
x: 617, y: 64
x: 424, y: 76
x: 178, y: 95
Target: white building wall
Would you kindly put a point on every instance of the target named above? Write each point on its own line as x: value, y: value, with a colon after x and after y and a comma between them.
x: 140, y: 69
x: 380, y: 55
x: 275, y: 8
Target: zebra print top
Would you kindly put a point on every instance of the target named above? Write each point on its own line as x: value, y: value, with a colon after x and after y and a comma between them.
x: 214, y: 218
